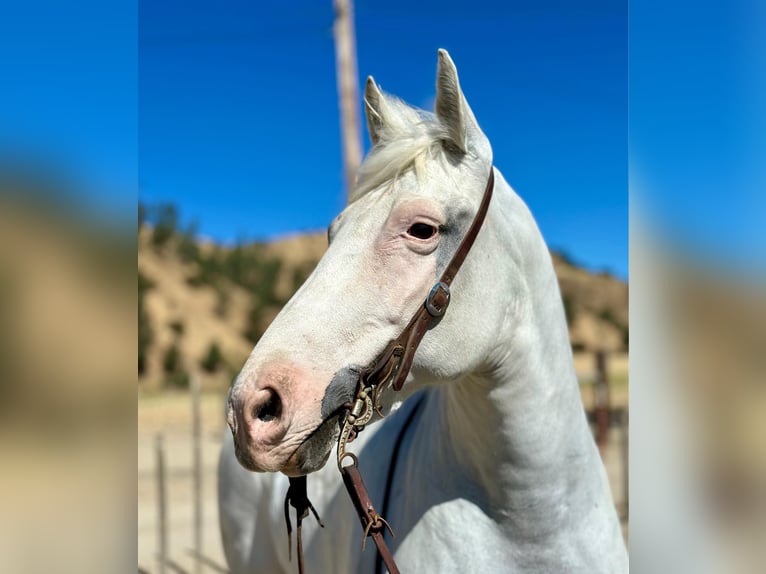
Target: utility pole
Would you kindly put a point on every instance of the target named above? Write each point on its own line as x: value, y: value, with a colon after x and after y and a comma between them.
x: 348, y: 89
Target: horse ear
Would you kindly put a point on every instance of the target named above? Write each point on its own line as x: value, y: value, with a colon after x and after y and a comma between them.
x: 374, y: 107
x: 451, y: 106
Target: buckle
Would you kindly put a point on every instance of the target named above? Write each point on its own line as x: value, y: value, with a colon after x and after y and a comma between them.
x: 435, y: 309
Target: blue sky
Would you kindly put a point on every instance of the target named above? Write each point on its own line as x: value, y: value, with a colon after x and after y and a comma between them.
x: 698, y: 127
x: 234, y: 97
x: 69, y: 103
x: 238, y: 112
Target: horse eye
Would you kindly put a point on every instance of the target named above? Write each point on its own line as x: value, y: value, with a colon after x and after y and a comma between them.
x: 421, y: 231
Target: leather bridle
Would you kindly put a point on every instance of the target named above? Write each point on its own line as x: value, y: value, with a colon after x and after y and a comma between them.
x: 389, y: 369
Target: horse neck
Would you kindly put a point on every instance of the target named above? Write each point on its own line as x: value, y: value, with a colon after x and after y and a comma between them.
x: 517, y: 430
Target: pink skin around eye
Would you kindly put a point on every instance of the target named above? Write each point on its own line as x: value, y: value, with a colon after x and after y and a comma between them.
x: 394, y: 234
x: 401, y: 265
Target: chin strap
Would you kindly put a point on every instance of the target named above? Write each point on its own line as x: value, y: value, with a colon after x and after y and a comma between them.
x: 297, y: 497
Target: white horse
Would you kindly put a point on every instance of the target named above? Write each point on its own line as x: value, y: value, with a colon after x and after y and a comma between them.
x: 498, y: 471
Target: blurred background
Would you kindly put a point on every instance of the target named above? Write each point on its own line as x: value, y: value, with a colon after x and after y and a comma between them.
x: 223, y: 124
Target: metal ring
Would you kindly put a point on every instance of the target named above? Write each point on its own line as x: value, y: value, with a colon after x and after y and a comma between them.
x: 350, y: 455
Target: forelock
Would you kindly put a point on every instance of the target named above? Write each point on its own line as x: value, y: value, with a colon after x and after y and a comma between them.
x: 409, y: 138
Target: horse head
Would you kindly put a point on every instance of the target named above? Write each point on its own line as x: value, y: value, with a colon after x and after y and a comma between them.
x: 415, y: 196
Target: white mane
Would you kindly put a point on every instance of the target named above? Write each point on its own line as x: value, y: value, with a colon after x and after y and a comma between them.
x: 409, y: 137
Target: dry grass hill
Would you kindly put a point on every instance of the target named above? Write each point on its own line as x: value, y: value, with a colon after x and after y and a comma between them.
x: 202, y: 306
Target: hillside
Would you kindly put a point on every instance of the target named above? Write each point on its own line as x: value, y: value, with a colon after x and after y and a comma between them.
x: 196, y: 296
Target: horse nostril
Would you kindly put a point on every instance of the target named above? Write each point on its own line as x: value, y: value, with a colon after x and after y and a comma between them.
x: 271, y: 409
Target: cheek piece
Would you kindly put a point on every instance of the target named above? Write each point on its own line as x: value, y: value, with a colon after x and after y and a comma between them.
x: 388, y: 370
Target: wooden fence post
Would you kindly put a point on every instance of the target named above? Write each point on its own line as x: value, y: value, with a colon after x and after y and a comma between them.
x: 162, y: 554
x: 197, y: 470
x: 601, y: 406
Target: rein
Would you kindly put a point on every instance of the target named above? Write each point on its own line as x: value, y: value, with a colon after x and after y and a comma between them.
x: 389, y: 369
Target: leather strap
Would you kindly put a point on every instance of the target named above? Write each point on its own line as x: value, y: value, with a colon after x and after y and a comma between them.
x: 372, y: 522
x: 297, y: 497
x: 392, y: 474
x: 396, y: 359
x: 392, y: 364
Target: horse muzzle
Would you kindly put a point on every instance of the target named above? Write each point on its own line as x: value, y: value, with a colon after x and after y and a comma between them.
x: 276, y: 421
